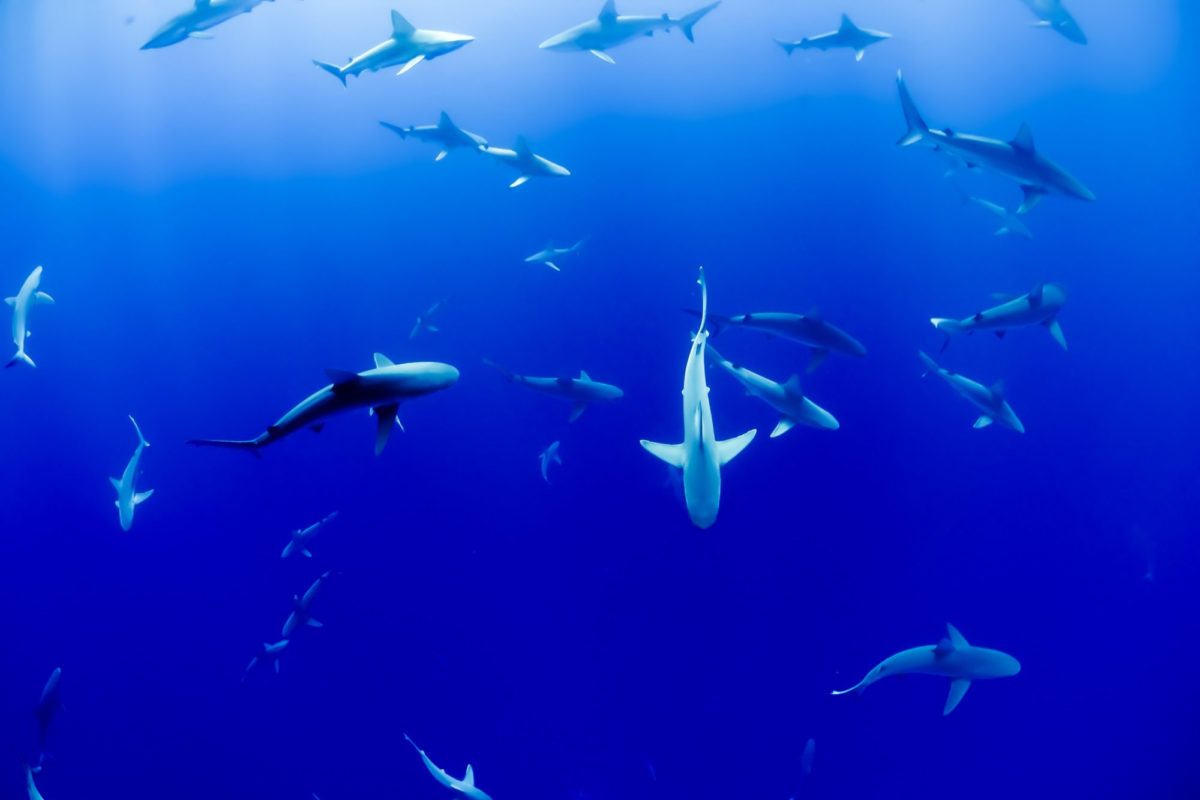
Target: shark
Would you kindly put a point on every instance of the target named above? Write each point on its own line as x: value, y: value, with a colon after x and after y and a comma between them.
x: 425, y: 321
x: 700, y: 456
x: 466, y: 787
x: 267, y: 653
x: 547, y: 457
x: 550, y: 255
x: 1010, y: 221
x: 810, y: 330
x: 301, y: 609
x: 1017, y: 159
x: 49, y: 704
x: 407, y: 47
x: 989, y: 400
x: 580, y: 392
x: 609, y: 29
x: 848, y: 35
x: 1054, y: 15
x: 953, y: 657
x: 128, y: 497
x: 786, y: 398
x: 203, y: 15
x: 1039, y: 306
x: 31, y: 788
x: 21, y: 304
x: 447, y: 135
x: 522, y: 158
x: 302, y: 537
x: 381, y: 389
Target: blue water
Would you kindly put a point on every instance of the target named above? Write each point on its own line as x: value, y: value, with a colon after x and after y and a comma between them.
x: 219, y: 222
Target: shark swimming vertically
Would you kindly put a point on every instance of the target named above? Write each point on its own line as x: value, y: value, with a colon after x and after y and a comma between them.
x: 381, y: 389
x: 550, y: 255
x: 407, y: 47
x: 848, y: 35
x: 128, y: 497
x: 202, y: 16
x: 302, y: 537
x: 466, y: 787
x: 609, y: 29
x: 21, y: 304
x: 1040, y: 306
x: 302, y: 608
x: 580, y: 392
x: 549, y: 456
x: 1017, y: 159
x: 989, y: 400
x: 1054, y: 15
x: 810, y: 330
x: 952, y: 658
x: 528, y: 163
x: 700, y: 455
x: 786, y: 398
x: 446, y: 134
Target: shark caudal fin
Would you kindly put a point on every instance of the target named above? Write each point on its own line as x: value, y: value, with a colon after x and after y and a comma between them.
x: 857, y: 688
x: 20, y: 358
x: 716, y: 322
x: 333, y: 70
x: 508, y: 374
x: 950, y: 327
x: 141, y: 439
x: 930, y: 364
x: 688, y: 21
x: 917, y: 129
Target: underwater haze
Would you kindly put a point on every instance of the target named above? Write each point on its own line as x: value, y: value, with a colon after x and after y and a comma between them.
x: 220, y: 222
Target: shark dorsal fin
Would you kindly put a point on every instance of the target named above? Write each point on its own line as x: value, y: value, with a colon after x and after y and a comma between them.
x: 469, y: 778
x: 401, y: 26
x: 583, y: 376
x: 608, y: 12
x: 847, y: 24
x: 445, y: 123
x: 793, y: 386
x: 1023, y: 141
x: 522, y: 148
x: 1035, y: 296
x: 943, y: 648
x: 203, y: 3
x: 956, y: 638
x: 383, y: 361
x: 813, y: 314
x: 997, y: 388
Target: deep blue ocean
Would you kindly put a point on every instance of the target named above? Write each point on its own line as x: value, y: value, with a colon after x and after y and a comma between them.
x: 219, y: 222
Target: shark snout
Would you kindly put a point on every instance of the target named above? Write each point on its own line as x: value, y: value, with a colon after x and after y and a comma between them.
x: 555, y: 42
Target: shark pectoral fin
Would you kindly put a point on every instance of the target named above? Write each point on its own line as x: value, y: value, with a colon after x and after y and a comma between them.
x: 12, y: 301
x: 858, y: 55
x: 312, y: 623
x: 785, y: 425
x: 958, y: 689
x: 603, y: 56
x: 442, y: 154
x: 983, y: 421
x: 817, y: 358
x: 385, y: 418
x: 1041, y: 23
x: 1002, y: 230
x: 577, y: 411
x: 519, y: 182
x: 116, y: 482
x: 44, y: 299
x: 1056, y: 331
x: 728, y: 449
x: 552, y: 266
x: 412, y: 63
x: 306, y: 553
x: 199, y: 35
x: 673, y: 454
x: 142, y: 497
x: 1032, y: 195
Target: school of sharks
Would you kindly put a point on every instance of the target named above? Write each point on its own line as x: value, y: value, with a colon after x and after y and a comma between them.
x: 385, y: 387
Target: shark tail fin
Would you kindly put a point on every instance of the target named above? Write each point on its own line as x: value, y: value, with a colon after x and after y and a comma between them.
x: 917, y: 129
x: 508, y: 374
x: 950, y: 327
x: 857, y: 688
x: 688, y: 21
x: 245, y: 445
x: 141, y: 439
x: 788, y: 47
x: 20, y: 358
x: 930, y: 364
x: 333, y: 70
x: 716, y: 322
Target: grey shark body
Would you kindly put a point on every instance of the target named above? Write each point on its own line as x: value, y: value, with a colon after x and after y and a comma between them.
x: 953, y: 657
x: 610, y: 29
x: 466, y: 786
x: 1037, y: 307
x: 268, y: 653
x: 786, y: 398
x: 381, y: 389
x: 128, y: 497
x: 810, y: 330
x: 990, y: 401
x: 848, y: 35
x: 1017, y: 159
x: 550, y: 255
x: 1054, y: 15
x: 522, y: 158
x: 700, y: 455
x: 303, y: 537
x: 445, y: 134
x: 549, y: 456
x: 302, y: 609
x: 407, y: 47
x: 581, y: 391
x: 22, y: 304
x: 203, y: 15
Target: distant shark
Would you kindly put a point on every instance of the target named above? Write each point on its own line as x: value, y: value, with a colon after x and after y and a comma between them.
x: 302, y: 537
x: 128, y: 497
x: 988, y: 399
x: 609, y: 29
x: 1054, y: 15
x: 528, y: 163
x: 581, y: 391
x: 425, y: 322
x: 21, y: 305
x: 1017, y: 159
x: 952, y: 658
x: 550, y: 255
x: 1010, y: 222
x: 810, y: 330
x: 700, y: 455
x: 1040, y: 306
x: 848, y: 35
x: 381, y: 389
x: 408, y: 47
x: 466, y: 787
x: 786, y: 398
x: 549, y: 456
x: 267, y: 653
x: 445, y: 134
x: 192, y: 23
x: 301, y: 609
